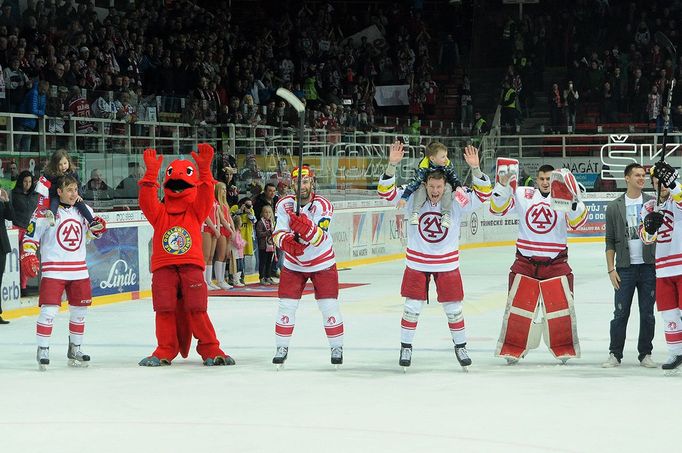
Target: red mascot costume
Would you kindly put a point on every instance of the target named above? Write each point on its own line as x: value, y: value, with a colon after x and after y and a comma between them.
x: 179, y: 293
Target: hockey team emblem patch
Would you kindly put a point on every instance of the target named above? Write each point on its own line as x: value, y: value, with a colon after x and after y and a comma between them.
x: 430, y: 228
x: 70, y: 235
x: 176, y: 241
x: 540, y: 218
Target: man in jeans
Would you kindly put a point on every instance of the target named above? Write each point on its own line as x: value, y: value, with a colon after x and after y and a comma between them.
x: 630, y: 265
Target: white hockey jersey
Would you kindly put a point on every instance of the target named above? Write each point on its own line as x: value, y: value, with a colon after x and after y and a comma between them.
x: 668, y: 238
x: 318, y: 255
x: 62, y: 246
x: 542, y: 230
x: 430, y: 247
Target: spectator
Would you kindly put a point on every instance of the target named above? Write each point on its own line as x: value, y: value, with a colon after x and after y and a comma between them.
x: 571, y: 97
x: 509, y: 113
x: 34, y: 103
x: 608, y: 104
x: 128, y: 187
x: 13, y: 171
x: 25, y: 201
x: 16, y: 82
x: 266, y: 198
x: 466, y: 104
x: 556, y: 106
x: 653, y: 106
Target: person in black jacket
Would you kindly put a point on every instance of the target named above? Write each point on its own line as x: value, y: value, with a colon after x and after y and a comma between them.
x: 6, y: 213
x: 24, y: 201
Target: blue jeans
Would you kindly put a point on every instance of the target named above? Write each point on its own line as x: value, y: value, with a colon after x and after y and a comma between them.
x: 643, y: 278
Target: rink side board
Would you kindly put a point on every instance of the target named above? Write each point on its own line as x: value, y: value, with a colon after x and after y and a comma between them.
x: 364, y: 232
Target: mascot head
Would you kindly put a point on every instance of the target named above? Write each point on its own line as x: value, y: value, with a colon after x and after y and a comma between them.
x: 180, y: 183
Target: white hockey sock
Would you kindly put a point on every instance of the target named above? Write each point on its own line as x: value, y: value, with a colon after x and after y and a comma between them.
x: 453, y: 310
x: 220, y: 271
x: 44, y: 324
x: 286, y: 318
x: 77, y: 324
x: 672, y: 324
x: 208, y: 274
x: 408, y: 324
x: 333, y: 321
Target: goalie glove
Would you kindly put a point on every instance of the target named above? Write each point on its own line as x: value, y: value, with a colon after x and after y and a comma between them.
x: 508, y: 169
x: 29, y: 264
x: 290, y: 245
x: 305, y: 227
x: 652, y: 222
x: 665, y: 173
x: 98, y: 227
x: 564, y: 190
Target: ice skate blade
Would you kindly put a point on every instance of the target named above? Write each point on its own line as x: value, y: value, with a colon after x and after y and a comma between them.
x: 73, y: 363
x: 673, y: 372
x: 279, y: 366
x: 511, y: 361
x: 337, y: 367
x: 465, y: 369
x: 42, y: 367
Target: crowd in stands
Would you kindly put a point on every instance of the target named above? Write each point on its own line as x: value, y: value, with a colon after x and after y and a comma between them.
x: 213, y: 64
x: 616, y: 71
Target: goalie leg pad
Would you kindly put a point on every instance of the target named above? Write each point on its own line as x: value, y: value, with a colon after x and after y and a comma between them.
x: 522, y: 303
x: 561, y: 333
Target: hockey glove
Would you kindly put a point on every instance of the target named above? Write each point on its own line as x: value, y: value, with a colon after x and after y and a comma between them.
x: 153, y: 164
x: 652, y: 222
x: 98, y: 226
x: 290, y: 245
x: 665, y: 173
x: 29, y: 264
x: 303, y: 226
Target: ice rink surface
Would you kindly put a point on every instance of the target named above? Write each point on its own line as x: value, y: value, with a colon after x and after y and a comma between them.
x: 369, y: 405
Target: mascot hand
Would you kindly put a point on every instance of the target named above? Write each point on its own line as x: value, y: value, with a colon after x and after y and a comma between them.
x: 98, y: 226
x: 153, y: 164
x: 303, y: 226
x: 29, y: 264
x: 204, y: 158
x: 292, y: 246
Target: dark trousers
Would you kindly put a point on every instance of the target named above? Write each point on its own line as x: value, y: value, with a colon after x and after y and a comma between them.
x: 643, y: 278
x: 264, y: 264
x: 3, y: 260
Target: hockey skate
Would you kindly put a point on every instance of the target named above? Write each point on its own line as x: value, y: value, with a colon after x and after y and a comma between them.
x: 463, y: 357
x: 280, y: 356
x: 511, y: 360
x: 43, y: 358
x: 219, y: 361
x: 671, y: 367
x: 337, y: 356
x: 405, y: 357
x: 154, y: 361
x: 76, y: 357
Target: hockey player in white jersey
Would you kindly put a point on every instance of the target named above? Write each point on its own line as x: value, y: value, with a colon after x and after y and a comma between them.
x: 433, y: 250
x: 540, y: 300
x: 308, y: 254
x: 62, y: 250
x: 663, y: 224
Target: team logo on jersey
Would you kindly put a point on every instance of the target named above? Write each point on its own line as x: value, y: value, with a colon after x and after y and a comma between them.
x: 70, y: 235
x: 284, y: 319
x: 30, y: 229
x: 672, y: 325
x: 176, y: 241
x: 324, y: 223
x: 540, y: 218
x: 529, y: 193
x: 430, y: 228
x: 665, y: 232
x: 331, y: 321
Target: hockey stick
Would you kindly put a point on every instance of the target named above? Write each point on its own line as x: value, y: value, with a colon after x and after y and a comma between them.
x: 300, y: 108
x: 663, y: 41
